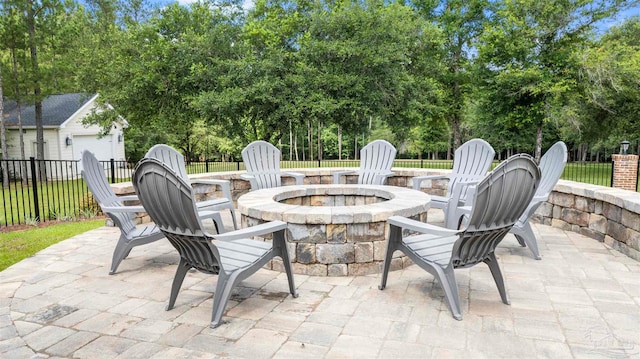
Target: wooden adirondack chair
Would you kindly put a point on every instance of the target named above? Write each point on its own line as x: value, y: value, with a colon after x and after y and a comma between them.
x: 471, y: 162
x: 172, y: 158
x: 262, y: 161
x: 233, y: 256
x: 376, y: 160
x: 551, y: 166
x: 499, y: 200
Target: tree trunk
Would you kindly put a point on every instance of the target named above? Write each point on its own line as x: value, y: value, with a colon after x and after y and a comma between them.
x: 539, y: 142
x: 355, y: 147
x: 583, y: 157
x: 339, y: 143
x: 295, y: 145
x: 37, y: 90
x: 319, y: 140
x: 310, y: 139
x: 18, y: 98
x: 290, y: 141
x: 3, y: 139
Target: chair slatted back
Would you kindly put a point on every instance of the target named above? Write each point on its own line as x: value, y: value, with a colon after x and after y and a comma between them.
x: 375, y: 158
x: 500, y: 199
x: 551, y: 166
x: 170, y: 203
x: 169, y: 156
x: 94, y: 177
x: 471, y: 162
x: 262, y: 160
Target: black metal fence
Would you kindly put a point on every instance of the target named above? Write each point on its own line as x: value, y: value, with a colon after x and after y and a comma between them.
x: 48, y: 190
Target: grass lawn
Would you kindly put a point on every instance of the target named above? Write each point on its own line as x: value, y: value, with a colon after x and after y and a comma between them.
x: 17, y: 245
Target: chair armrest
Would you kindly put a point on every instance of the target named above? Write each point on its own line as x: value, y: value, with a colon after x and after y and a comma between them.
x: 421, y: 227
x: 123, y: 209
x: 258, y: 230
x: 215, y: 217
x: 298, y: 176
x: 224, y: 185
x: 337, y: 175
x: 381, y: 177
x: 251, y: 179
x: 418, y: 179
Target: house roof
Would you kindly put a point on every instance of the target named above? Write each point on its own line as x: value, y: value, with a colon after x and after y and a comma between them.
x: 56, y: 109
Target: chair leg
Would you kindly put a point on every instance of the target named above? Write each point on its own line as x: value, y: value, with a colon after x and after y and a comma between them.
x: 280, y: 249
x: 233, y: 217
x: 447, y: 280
x: 224, y: 288
x: 122, y: 250
x: 492, y: 262
x: 181, y: 272
x: 395, y: 238
x: 526, y: 238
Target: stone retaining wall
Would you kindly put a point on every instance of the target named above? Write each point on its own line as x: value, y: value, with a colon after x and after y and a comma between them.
x: 606, y: 214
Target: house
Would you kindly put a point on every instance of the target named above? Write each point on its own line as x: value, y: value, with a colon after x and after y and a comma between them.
x: 65, y: 137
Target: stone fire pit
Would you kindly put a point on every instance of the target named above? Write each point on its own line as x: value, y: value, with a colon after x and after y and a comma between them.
x: 335, y: 230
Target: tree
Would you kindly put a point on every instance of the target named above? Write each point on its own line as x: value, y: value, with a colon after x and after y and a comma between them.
x: 461, y: 22
x: 528, y: 58
x: 3, y: 138
x: 610, y: 77
x: 360, y: 65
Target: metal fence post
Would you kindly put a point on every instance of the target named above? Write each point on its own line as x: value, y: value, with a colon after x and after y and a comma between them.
x: 238, y: 163
x: 34, y: 186
x: 113, y: 170
x: 206, y: 166
x: 612, y: 169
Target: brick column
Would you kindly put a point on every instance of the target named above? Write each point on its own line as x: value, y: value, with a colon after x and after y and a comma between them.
x: 625, y: 171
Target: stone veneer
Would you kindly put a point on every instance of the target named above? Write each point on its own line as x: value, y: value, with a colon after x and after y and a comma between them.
x: 335, y: 230
x: 606, y: 214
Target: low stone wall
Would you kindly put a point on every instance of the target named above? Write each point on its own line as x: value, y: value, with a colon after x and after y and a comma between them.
x: 606, y: 214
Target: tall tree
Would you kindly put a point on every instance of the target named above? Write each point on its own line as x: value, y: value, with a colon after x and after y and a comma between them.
x: 461, y: 22
x: 528, y: 55
x: 3, y: 138
x: 361, y: 64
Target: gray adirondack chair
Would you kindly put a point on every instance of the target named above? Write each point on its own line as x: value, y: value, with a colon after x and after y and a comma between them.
x: 500, y: 199
x: 232, y: 255
x: 121, y: 215
x: 471, y: 162
x: 172, y: 158
x: 262, y: 161
x: 551, y: 166
x: 376, y: 160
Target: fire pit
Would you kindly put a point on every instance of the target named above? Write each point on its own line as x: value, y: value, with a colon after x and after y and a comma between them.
x: 335, y: 230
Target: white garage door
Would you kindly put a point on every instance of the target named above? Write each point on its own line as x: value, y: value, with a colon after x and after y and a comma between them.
x: 102, y: 148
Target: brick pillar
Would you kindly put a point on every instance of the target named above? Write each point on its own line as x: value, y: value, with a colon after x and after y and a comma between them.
x: 625, y: 171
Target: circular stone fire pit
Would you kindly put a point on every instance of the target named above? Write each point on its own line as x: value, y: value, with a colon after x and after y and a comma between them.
x: 335, y: 230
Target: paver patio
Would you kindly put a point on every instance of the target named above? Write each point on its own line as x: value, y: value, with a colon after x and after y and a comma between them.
x: 581, y: 300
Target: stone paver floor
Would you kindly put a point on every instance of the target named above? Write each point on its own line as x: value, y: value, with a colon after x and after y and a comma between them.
x: 581, y: 300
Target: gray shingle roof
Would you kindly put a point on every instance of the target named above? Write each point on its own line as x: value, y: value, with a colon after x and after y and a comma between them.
x: 55, y: 110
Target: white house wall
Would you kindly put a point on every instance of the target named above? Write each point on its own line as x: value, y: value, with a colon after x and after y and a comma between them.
x: 55, y: 139
x: 50, y: 139
x: 74, y: 127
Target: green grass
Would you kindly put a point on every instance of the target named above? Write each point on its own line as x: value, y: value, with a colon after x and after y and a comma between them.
x: 18, y: 245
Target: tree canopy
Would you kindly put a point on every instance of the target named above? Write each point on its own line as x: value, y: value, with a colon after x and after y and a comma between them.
x: 321, y: 79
